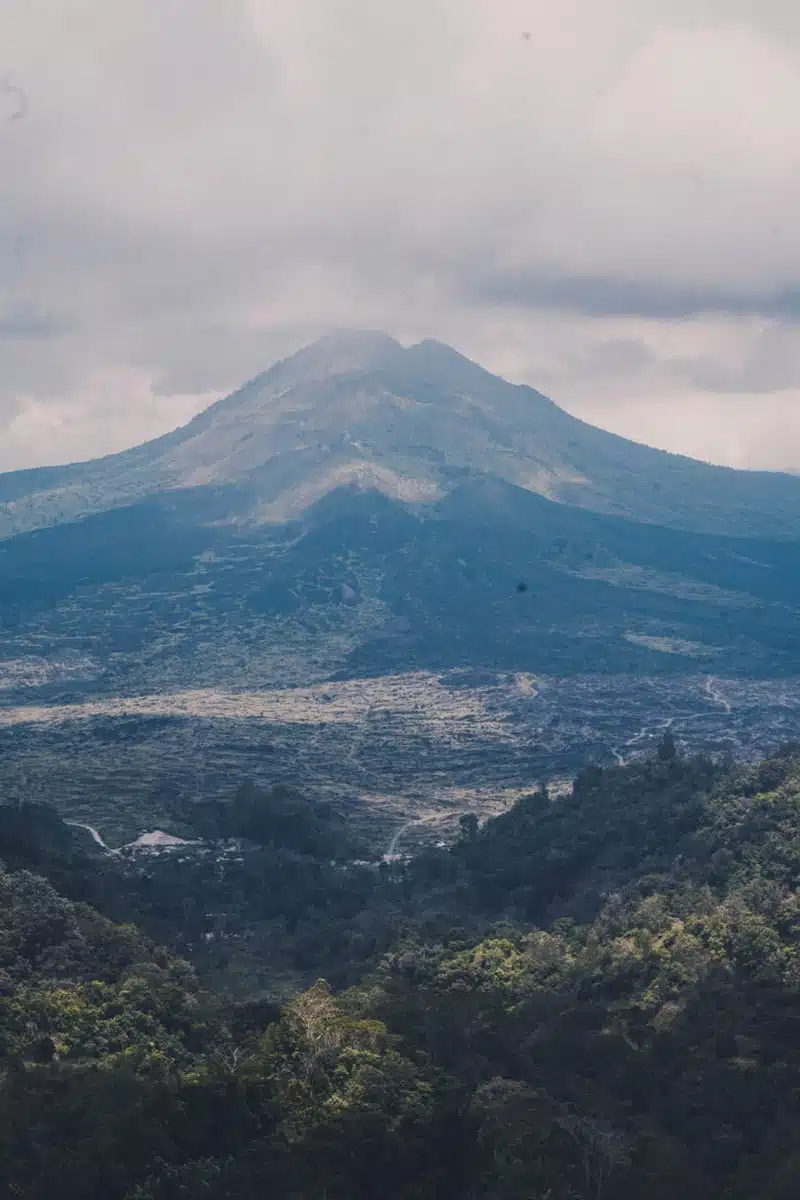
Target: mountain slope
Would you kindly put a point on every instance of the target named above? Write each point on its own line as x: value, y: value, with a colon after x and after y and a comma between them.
x: 362, y: 508
x: 358, y: 408
x: 166, y: 594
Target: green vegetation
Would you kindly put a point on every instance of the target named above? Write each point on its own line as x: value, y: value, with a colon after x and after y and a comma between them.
x: 278, y: 817
x: 593, y: 996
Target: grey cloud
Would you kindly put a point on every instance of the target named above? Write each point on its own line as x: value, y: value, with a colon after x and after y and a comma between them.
x: 615, y: 357
x: 770, y: 364
x: 209, y: 357
x: 202, y: 187
x: 616, y: 296
x: 23, y: 323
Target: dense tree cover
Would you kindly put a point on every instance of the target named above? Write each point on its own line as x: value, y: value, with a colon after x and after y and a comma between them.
x: 33, y: 837
x: 280, y: 817
x: 266, y: 883
x: 593, y: 996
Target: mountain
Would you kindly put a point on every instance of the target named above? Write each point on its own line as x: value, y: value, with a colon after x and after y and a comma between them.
x: 362, y: 507
x: 411, y: 423
x: 389, y: 579
x: 384, y: 578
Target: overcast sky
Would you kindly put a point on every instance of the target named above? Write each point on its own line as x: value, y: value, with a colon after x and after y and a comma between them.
x: 597, y: 197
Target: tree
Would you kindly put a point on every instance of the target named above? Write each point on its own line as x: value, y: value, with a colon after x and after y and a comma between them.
x: 468, y: 823
x: 667, y: 750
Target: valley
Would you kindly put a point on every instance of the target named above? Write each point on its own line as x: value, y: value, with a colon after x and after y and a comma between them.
x: 415, y: 750
x: 280, y: 694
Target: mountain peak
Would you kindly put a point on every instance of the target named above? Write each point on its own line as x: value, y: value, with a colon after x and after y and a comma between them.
x: 361, y: 340
x: 345, y: 350
x: 433, y: 346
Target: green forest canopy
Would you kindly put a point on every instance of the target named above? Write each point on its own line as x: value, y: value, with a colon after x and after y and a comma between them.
x: 593, y: 996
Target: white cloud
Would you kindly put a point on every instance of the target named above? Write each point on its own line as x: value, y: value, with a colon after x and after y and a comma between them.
x: 199, y: 187
x: 115, y: 409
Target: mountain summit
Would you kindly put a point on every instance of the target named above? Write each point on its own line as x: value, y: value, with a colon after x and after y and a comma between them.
x: 357, y: 408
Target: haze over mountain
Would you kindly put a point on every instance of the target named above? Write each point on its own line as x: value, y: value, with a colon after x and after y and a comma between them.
x: 411, y: 423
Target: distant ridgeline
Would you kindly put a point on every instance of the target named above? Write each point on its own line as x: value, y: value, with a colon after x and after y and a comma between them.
x: 592, y: 996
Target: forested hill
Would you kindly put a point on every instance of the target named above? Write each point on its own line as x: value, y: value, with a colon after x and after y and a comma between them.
x: 594, y: 996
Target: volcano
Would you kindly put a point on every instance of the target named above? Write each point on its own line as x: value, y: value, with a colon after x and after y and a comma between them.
x: 363, y: 506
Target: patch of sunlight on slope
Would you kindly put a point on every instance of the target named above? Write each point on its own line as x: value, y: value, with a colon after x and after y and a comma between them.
x: 442, y: 712
x: 669, y: 583
x: 547, y: 481
x: 670, y: 645
x: 367, y: 476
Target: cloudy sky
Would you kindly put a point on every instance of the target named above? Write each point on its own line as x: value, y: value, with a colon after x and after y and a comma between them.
x: 597, y: 197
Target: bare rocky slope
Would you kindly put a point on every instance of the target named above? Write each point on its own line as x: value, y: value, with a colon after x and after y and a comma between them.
x: 360, y: 409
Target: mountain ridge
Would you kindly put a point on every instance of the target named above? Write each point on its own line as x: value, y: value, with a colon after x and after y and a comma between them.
x: 359, y: 407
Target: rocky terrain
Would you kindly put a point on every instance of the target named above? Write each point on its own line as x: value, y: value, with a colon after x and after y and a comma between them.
x: 389, y: 750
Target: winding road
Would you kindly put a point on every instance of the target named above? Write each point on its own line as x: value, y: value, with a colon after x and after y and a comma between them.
x: 391, y: 854
x: 94, y: 834
x: 712, y: 691
x: 391, y: 850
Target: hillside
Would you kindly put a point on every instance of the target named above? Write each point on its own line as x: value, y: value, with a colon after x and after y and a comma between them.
x: 592, y: 998
x: 168, y: 594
